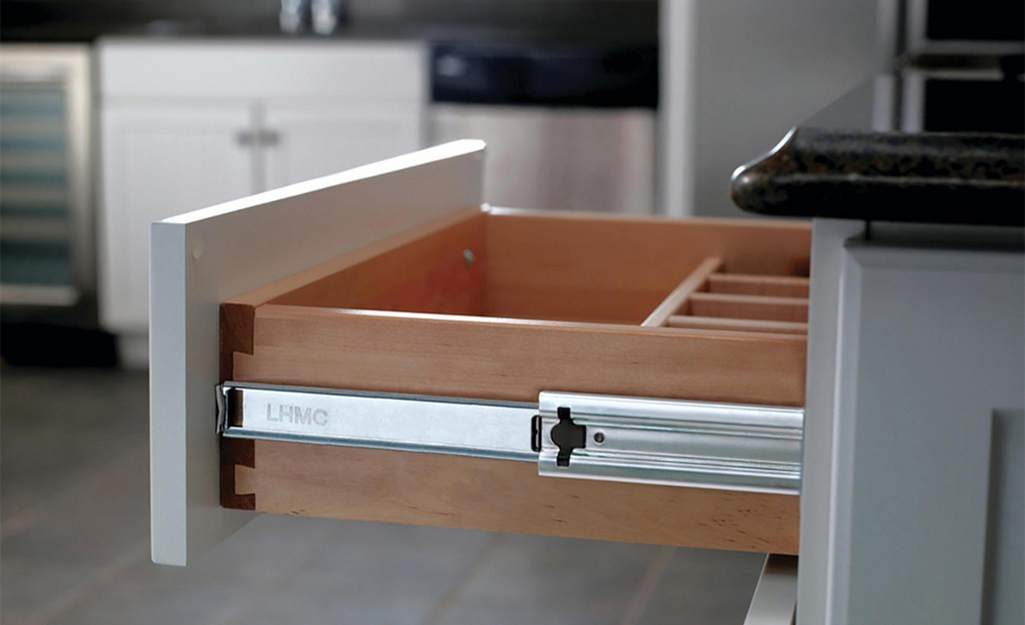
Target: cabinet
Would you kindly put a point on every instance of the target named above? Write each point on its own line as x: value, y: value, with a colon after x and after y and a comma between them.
x: 303, y: 141
x: 186, y: 125
x: 912, y: 492
x: 156, y: 161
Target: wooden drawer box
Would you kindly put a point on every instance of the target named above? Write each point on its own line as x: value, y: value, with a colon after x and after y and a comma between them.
x: 504, y: 304
x: 498, y: 304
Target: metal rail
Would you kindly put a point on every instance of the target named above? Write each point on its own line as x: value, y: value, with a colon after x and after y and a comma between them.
x: 625, y: 439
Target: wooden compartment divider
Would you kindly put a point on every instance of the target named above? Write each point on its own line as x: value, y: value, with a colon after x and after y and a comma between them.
x: 710, y: 300
x: 675, y: 300
x: 742, y: 284
x: 742, y: 325
x: 768, y: 308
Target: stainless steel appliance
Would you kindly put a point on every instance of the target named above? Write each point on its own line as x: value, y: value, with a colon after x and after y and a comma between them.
x: 46, y: 250
x: 567, y: 127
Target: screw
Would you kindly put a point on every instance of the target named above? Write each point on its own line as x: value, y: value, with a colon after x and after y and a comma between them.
x: 599, y: 437
x: 468, y: 257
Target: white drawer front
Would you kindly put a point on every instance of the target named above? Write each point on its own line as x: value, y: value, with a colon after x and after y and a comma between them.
x: 199, y: 259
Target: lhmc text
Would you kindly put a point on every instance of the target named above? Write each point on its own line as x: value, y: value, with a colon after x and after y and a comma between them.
x: 297, y: 415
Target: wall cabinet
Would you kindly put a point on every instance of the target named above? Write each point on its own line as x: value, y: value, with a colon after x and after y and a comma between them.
x: 190, y: 125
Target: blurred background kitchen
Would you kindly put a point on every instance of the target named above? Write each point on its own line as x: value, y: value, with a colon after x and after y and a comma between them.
x: 116, y: 113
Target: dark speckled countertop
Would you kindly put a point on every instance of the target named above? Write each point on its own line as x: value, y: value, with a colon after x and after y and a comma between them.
x: 903, y: 148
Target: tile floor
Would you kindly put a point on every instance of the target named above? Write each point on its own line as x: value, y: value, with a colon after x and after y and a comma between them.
x: 74, y: 545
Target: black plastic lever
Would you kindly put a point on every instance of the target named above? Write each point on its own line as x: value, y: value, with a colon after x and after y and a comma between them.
x: 567, y: 436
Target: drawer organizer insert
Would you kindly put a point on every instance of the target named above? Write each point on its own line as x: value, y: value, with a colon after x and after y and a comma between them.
x: 502, y: 305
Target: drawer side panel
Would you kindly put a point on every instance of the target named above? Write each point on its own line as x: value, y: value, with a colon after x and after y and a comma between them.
x: 516, y: 359
x: 508, y: 496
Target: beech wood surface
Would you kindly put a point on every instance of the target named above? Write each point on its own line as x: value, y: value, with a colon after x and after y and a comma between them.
x: 549, y: 302
x: 675, y: 300
x: 515, y: 360
x: 618, y: 269
x: 440, y: 272
x: 748, y: 307
x: 508, y: 496
x: 740, y: 325
x: 418, y: 240
x: 742, y: 284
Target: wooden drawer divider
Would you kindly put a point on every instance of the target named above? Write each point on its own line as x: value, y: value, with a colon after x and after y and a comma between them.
x: 675, y: 300
x: 709, y: 299
x: 745, y: 284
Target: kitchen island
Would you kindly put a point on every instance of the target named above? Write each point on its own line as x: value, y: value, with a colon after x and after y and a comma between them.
x: 911, y: 501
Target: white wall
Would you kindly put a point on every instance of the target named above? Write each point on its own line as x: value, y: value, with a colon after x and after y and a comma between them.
x: 737, y: 74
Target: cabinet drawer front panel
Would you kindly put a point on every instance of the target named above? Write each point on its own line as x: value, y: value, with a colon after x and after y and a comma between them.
x: 201, y: 259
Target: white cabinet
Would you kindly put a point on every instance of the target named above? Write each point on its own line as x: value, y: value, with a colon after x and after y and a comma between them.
x: 185, y: 125
x: 158, y: 161
x: 912, y: 498
x: 304, y: 141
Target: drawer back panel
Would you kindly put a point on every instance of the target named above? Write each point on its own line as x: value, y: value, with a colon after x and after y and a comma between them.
x: 545, y: 267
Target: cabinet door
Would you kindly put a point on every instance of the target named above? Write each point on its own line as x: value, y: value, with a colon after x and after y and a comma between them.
x: 308, y: 141
x: 159, y: 162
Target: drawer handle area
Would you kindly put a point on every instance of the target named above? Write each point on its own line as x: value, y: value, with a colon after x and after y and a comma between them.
x: 584, y: 436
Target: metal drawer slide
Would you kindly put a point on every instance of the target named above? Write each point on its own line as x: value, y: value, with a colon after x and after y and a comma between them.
x: 624, y: 439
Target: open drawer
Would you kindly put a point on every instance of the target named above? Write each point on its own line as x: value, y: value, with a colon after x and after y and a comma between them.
x: 392, y: 349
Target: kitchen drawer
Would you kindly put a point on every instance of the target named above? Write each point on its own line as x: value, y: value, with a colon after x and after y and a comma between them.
x: 395, y: 283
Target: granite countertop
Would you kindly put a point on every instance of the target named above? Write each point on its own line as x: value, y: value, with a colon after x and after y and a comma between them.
x: 905, y: 148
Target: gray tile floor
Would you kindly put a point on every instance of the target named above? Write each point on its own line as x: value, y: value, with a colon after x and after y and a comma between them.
x: 74, y: 545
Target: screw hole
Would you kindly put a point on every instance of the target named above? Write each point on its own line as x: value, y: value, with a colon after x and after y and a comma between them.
x: 599, y: 437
